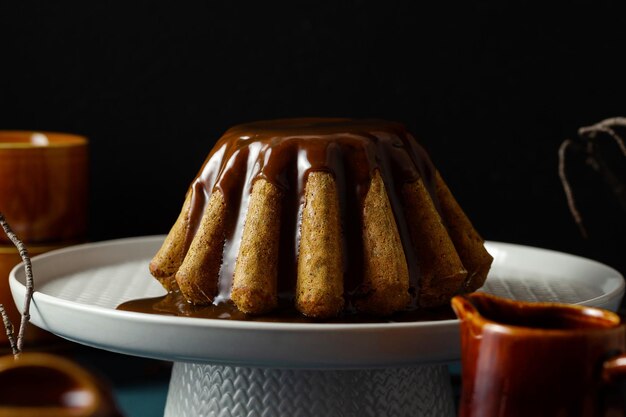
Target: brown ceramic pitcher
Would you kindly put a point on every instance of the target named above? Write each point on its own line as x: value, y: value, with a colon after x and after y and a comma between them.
x: 537, y: 359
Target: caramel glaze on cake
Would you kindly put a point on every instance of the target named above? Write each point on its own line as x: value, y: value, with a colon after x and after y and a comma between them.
x: 333, y: 214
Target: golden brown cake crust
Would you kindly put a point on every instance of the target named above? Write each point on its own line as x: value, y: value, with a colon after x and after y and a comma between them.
x: 467, y: 241
x: 197, y: 276
x: 442, y: 272
x: 386, y: 275
x: 170, y: 256
x: 254, y: 284
x: 319, y: 288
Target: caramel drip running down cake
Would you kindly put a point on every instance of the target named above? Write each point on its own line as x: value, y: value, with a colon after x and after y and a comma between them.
x: 331, y: 214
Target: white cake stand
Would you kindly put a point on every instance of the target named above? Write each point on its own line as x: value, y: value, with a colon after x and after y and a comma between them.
x: 231, y: 368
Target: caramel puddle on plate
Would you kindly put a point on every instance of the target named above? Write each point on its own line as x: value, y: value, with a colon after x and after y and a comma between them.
x: 173, y: 304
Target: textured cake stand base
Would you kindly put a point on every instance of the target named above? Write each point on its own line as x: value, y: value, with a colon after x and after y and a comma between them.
x: 227, y: 391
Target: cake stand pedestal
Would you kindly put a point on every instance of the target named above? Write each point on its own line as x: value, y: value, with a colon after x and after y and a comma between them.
x: 225, y: 391
x: 232, y: 368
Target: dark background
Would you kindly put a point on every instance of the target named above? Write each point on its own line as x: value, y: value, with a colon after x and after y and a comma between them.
x: 490, y: 90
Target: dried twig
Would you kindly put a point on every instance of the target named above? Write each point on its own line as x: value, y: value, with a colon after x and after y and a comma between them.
x: 588, y: 136
x: 8, y: 326
x: 571, y: 203
x: 30, y: 286
x: 606, y: 126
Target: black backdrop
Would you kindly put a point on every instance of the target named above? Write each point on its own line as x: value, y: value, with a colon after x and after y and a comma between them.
x: 491, y: 91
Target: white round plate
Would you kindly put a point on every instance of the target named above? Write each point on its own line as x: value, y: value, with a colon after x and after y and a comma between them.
x: 78, y: 288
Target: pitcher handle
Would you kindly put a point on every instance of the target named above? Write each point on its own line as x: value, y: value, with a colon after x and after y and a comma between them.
x: 614, y: 368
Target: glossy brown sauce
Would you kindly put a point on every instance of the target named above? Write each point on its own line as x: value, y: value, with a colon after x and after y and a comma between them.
x: 285, y: 152
x: 173, y: 304
x: 546, y: 317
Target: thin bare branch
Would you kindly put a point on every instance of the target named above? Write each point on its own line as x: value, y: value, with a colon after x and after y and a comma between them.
x: 30, y: 285
x: 8, y: 327
x: 606, y: 126
x: 610, y: 122
x: 595, y: 160
x: 568, y: 189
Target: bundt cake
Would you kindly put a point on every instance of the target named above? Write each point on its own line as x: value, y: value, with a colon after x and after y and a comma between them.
x: 332, y: 214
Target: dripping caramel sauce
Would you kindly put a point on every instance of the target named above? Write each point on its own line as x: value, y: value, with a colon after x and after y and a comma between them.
x: 174, y: 304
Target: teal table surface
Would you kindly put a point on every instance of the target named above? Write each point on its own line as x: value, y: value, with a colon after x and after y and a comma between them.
x: 139, y: 385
